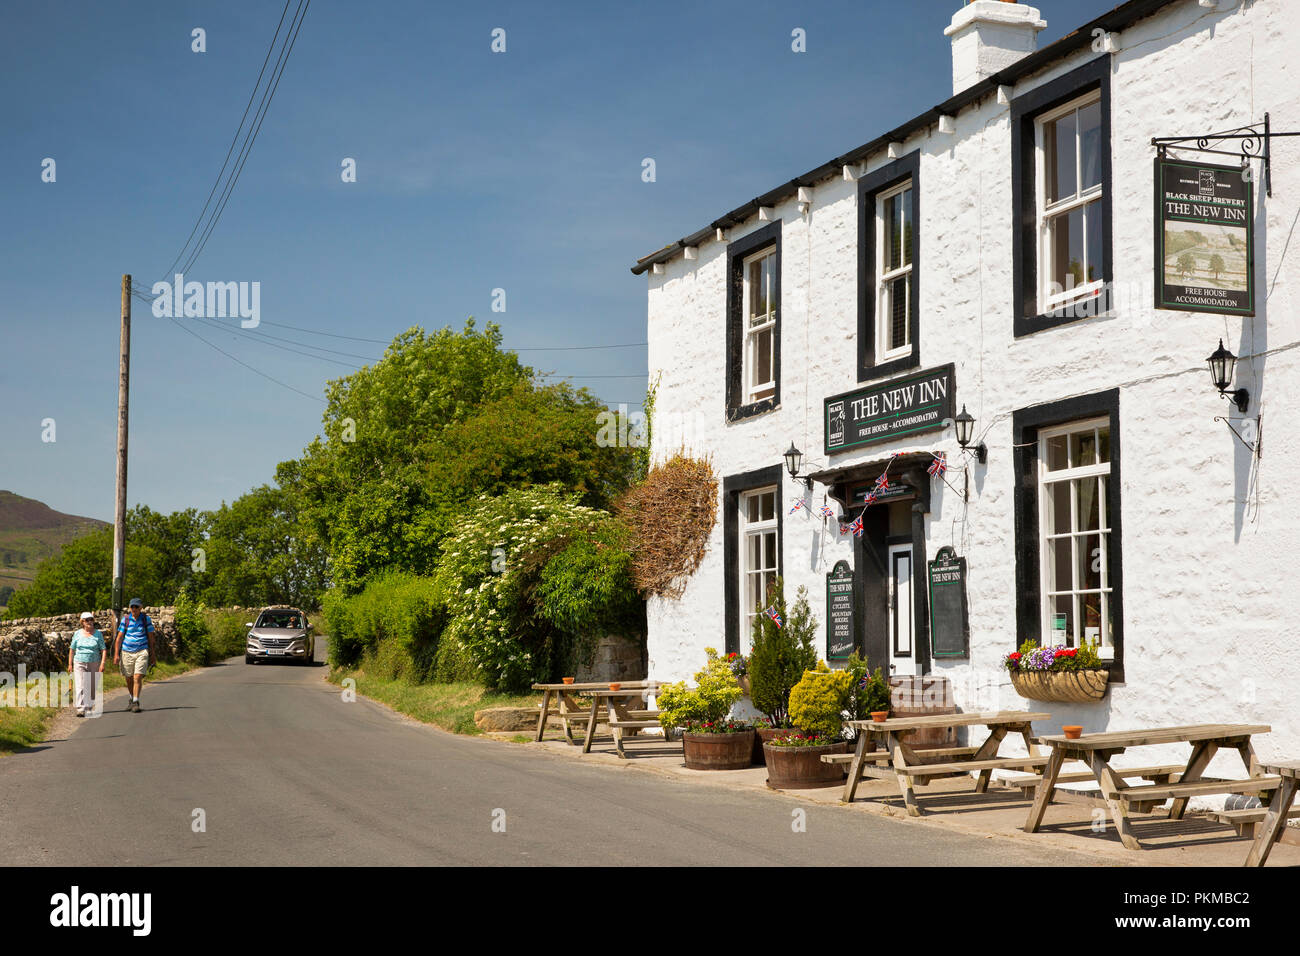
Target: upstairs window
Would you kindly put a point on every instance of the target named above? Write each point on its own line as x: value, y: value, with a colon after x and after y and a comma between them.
x: 759, y: 374
x: 1070, y: 213
x: 894, y: 284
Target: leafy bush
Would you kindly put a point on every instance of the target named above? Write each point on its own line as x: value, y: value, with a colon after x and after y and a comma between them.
x: 503, y: 608
x: 672, y: 512
x: 191, y: 630
x: 227, y: 631
x: 818, y: 701
x: 708, y: 702
x: 780, y: 655
x: 395, y: 607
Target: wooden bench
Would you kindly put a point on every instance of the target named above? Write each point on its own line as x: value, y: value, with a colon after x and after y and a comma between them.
x: 1245, y: 821
x: 1272, y: 827
x: 910, y: 765
x: 1096, y: 750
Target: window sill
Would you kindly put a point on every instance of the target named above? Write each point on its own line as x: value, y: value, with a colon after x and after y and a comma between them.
x: 890, y: 367
x: 1065, y: 315
x: 737, y: 413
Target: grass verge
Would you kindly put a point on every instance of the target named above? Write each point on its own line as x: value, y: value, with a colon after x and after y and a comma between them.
x: 23, y: 726
x: 449, y: 706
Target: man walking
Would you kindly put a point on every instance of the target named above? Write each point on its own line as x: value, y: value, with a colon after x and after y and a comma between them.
x: 134, y: 650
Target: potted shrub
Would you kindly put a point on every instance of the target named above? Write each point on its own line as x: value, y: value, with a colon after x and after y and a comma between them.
x: 777, y: 660
x: 1069, y: 674
x: 709, y: 740
x: 817, y: 704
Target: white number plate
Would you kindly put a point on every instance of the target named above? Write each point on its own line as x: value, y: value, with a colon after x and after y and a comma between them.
x: 274, y: 650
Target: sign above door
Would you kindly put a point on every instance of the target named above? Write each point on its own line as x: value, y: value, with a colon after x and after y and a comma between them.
x: 904, y: 406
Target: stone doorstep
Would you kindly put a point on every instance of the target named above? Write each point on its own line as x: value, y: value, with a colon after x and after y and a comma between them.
x: 1066, y: 826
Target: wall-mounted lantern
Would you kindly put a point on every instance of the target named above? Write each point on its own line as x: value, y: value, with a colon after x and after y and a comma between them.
x: 1222, y: 366
x: 965, y: 425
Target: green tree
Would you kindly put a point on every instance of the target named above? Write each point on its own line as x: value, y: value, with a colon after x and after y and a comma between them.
x: 1217, y: 264
x: 79, y: 578
x: 1186, y: 264
x: 780, y: 654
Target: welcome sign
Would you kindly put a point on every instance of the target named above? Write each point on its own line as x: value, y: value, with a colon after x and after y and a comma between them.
x: 1205, y: 250
x: 902, y: 406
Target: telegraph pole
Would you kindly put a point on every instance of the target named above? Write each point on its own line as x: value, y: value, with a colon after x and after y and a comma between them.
x: 123, y: 394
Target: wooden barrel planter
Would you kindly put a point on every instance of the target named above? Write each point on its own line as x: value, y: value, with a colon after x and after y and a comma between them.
x: 801, y: 768
x: 1078, y: 687
x: 764, y: 734
x: 718, y: 751
x: 923, y: 697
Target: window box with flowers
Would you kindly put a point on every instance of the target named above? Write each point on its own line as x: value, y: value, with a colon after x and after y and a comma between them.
x: 1066, y: 674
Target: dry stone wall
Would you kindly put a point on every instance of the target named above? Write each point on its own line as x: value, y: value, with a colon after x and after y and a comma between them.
x: 41, y: 643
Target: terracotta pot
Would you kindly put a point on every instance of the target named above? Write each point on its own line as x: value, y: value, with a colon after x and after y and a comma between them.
x: 1072, y: 731
x: 1079, y: 687
x: 718, y: 751
x: 880, y: 716
x: 615, y: 686
x: 764, y: 734
x: 567, y: 680
x: 801, y: 768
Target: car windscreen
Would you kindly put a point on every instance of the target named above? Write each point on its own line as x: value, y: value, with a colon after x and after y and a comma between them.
x: 280, y: 619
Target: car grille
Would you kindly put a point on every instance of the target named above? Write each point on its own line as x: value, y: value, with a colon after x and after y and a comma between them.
x: 275, y: 641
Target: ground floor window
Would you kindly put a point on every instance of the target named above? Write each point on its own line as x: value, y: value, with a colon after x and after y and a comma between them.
x: 1074, y: 534
x: 758, y: 561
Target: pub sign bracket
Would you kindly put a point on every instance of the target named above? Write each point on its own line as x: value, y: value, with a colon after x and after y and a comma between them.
x: 1254, y: 144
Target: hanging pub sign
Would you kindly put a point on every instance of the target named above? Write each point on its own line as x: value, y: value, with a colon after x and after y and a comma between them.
x: 949, y: 615
x: 902, y: 406
x: 1205, y: 246
x: 839, y: 612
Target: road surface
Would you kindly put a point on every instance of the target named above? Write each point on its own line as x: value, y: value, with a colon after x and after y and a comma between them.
x: 285, y: 772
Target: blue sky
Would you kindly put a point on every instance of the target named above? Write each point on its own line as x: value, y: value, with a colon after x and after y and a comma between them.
x: 475, y: 171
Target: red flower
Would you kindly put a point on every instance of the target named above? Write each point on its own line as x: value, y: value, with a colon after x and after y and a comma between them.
x: 1013, y: 656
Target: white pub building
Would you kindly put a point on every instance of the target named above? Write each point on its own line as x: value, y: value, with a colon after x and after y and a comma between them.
x: 1025, y: 282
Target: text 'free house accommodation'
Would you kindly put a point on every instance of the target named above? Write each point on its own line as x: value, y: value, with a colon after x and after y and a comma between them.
x: 1020, y: 266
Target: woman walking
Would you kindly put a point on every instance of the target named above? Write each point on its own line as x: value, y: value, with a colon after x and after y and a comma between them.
x: 86, y: 657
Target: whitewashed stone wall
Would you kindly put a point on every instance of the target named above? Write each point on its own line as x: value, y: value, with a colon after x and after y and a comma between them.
x: 1209, y: 587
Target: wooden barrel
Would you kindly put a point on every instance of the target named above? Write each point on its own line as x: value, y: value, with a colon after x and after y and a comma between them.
x: 718, y: 751
x: 923, y: 697
x: 801, y: 768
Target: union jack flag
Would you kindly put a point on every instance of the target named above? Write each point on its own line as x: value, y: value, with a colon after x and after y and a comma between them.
x: 856, y: 527
x: 798, y: 503
x: 870, y: 499
x: 774, y: 614
x: 939, y: 465
x: 844, y: 529
x: 827, y: 512
x: 882, y: 482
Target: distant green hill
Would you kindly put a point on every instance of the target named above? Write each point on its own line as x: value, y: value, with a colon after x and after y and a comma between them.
x: 30, y: 532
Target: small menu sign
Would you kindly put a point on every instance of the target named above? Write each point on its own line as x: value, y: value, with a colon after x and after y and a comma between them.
x: 949, y: 616
x: 839, y: 612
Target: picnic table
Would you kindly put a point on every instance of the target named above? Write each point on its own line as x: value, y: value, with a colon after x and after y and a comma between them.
x: 1119, y: 797
x: 907, y: 764
x: 570, y: 707
x: 621, y: 718
x: 1273, y: 824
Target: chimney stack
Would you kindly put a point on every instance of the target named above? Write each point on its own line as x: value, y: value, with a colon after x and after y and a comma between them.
x: 990, y: 35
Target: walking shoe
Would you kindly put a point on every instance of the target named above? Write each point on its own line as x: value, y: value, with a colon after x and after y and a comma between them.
x: 135, y: 705
x: 81, y: 713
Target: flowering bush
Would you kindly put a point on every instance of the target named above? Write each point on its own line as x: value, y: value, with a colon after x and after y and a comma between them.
x: 708, y: 702
x: 801, y: 740
x: 1031, y: 657
x: 739, y: 663
x: 506, y: 605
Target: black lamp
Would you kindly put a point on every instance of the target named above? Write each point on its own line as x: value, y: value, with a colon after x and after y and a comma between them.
x: 793, y: 459
x: 1222, y: 366
x: 965, y: 426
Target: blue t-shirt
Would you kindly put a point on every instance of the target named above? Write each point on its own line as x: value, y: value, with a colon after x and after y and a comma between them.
x: 87, y: 647
x: 136, y: 631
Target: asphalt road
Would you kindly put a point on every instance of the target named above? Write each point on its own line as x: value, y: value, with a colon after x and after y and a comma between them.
x: 286, y: 772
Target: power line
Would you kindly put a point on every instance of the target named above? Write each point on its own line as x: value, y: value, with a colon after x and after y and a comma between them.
x: 270, y: 378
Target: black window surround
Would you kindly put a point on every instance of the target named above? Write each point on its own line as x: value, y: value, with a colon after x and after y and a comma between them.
x: 732, y: 488
x: 1025, y: 425
x: 737, y: 252
x: 869, y: 187
x: 1025, y: 109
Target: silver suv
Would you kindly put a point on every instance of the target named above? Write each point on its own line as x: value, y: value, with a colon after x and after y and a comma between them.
x: 281, y: 633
